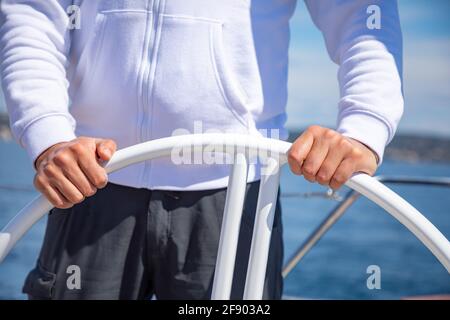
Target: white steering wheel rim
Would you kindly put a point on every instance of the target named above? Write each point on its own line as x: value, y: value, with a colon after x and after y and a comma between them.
x: 399, y: 208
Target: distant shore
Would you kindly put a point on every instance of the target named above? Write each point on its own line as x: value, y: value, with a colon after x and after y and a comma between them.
x: 405, y: 147
x: 5, y: 132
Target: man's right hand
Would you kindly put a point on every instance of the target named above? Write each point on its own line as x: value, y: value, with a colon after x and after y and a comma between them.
x: 68, y: 172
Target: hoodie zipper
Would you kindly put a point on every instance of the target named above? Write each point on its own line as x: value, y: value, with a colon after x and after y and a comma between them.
x: 148, y: 83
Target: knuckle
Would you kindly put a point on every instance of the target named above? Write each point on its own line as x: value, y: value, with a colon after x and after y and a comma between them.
x: 77, y: 148
x: 62, y: 158
x: 293, y: 156
x: 339, y: 178
x: 310, y: 178
x: 314, y: 129
x: 295, y: 170
x: 100, y: 181
x: 323, y: 177
x: 85, y: 191
x: 49, y: 170
x: 329, y: 134
x: 357, y: 154
x: 344, y: 144
x: 308, y: 169
x: 39, y: 181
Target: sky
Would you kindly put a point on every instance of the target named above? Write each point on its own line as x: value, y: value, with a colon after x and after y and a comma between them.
x: 313, y: 87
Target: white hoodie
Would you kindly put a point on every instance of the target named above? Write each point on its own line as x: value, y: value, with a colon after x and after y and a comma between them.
x: 138, y: 70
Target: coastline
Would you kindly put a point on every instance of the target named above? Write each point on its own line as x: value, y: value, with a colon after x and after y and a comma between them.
x: 412, y: 148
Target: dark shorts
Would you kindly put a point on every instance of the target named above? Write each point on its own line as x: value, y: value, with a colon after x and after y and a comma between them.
x: 127, y: 243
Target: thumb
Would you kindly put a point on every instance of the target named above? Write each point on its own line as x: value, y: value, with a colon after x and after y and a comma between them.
x: 105, y: 148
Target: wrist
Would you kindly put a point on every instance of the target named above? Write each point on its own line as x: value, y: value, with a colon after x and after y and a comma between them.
x: 375, y: 155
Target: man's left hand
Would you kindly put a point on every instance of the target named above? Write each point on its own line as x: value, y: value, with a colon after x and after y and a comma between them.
x: 325, y: 156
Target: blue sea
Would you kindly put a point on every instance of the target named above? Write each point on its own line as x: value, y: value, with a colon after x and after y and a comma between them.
x: 334, y: 269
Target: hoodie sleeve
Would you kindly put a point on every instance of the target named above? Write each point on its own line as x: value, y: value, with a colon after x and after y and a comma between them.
x: 34, y: 44
x: 370, y: 66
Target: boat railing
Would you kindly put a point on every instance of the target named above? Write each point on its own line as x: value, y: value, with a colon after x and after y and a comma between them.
x: 344, y: 204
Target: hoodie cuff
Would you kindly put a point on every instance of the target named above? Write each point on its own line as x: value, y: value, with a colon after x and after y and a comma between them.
x: 368, y: 130
x: 46, y: 132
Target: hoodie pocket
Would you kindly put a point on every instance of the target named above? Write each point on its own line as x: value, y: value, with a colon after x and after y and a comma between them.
x: 110, y: 68
x: 86, y: 62
x: 39, y: 283
x: 193, y: 77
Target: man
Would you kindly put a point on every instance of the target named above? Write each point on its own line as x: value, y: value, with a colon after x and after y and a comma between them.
x: 141, y: 70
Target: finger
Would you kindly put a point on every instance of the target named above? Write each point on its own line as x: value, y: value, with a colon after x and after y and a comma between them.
x: 105, y: 149
x: 52, y: 195
x: 58, y: 180
x: 79, y: 179
x: 95, y: 173
x: 56, y: 198
x: 343, y: 172
x: 335, y: 155
x: 315, y: 159
x: 299, y: 150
